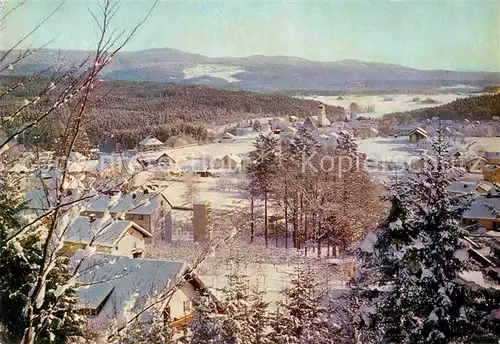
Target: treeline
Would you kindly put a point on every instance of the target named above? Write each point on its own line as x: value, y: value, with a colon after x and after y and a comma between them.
x: 130, y: 111
x: 482, y: 107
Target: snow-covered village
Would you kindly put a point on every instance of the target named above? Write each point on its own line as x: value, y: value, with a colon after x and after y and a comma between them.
x: 153, y: 195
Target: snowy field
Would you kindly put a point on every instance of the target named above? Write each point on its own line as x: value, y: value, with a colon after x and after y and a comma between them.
x: 214, y: 71
x: 270, y: 279
x: 389, y: 103
x: 209, y: 189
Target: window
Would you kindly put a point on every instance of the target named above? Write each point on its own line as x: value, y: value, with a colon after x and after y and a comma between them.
x: 186, y: 305
x: 141, y: 217
x: 137, y: 255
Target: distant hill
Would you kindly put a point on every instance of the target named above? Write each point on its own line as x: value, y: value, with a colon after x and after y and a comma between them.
x: 133, y: 110
x: 263, y: 73
x: 482, y: 107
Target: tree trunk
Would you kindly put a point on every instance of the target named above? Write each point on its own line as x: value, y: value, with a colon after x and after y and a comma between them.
x: 252, y: 219
x: 286, y: 216
x: 265, y: 215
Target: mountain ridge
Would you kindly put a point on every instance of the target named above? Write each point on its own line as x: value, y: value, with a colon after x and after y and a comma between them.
x: 261, y: 72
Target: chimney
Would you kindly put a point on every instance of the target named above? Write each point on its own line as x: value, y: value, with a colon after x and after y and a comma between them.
x: 92, y: 217
x: 202, y: 214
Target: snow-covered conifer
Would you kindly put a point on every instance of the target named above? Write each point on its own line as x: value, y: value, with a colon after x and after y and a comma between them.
x: 410, y: 285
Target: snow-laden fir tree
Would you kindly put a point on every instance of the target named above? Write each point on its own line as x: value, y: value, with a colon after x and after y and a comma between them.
x: 56, y: 319
x: 246, y: 319
x: 301, y: 319
x: 346, y: 144
x: 205, y: 328
x: 155, y: 329
x: 409, y: 286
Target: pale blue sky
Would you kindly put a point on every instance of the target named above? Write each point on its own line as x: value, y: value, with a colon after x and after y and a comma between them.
x: 463, y: 35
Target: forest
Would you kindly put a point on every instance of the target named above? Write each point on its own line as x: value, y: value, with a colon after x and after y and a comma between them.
x: 481, y: 108
x: 130, y: 111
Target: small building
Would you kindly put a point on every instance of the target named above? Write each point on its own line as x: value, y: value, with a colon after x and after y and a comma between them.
x: 155, y: 159
x: 465, y: 188
x: 226, y: 137
x: 491, y: 173
x: 417, y: 134
x: 122, y: 284
x: 310, y: 123
x: 474, y: 164
x: 455, y: 157
x: 150, y: 143
x: 485, y: 212
x: 492, y: 158
x: 231, y: 161
x: 111, y: 236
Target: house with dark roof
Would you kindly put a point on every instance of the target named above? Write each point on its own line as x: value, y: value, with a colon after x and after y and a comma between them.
x: 150, y: 210
x: 113, y: 287
x: 107, y: 235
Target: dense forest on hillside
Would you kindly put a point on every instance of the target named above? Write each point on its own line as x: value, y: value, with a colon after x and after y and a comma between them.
x: 482, y: 107
x: 130, y: 111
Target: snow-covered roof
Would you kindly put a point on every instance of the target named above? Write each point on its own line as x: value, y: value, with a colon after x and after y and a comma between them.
x: 92, y: 166
x: 153, y: 156
x: 77, y: 156
x: 491, y: 168
x: 233, y: 157
x: 101, y: 231
x: 463, y: 188
x: 492, y: 155
x: 19, y: 168
x: 122, y: 286
x: 150, y: 142
x: 132, y: 203
x: 483, y: 207
x: 473, y: 158
x: 418, y: 130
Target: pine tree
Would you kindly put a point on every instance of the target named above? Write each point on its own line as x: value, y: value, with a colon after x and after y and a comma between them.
x: 409, y: 284
x: 262, y: 168
x: 301, y: 318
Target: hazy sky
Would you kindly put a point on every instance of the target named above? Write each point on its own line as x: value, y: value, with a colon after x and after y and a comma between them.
x: 461, y: 35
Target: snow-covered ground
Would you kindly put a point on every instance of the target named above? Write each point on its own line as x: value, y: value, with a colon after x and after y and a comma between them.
x: 209, y: 189
x: 214, y: 71
x: 389, y: 103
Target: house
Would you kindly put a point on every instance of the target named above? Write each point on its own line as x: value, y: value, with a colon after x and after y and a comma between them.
x: 310, y: 123
x: 493, y: 158
x: 474, y: 164
x: 150, y: 143
x: 231, y: 161
x: 455, y: 157
x: 226, y: 137
x: 485, y: 212
x: 108, y: 235
x: 113, y: 285
x: 417, y: 134
x: 155, y: 159
x: 402, y: 129
x: 491, y: 173
x: 150, y: 210
x: 465, y: 188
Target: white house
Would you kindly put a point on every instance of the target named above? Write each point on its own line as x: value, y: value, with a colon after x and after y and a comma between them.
x: 150, y: 142
x: 113, y: 285
x: 108, y: 235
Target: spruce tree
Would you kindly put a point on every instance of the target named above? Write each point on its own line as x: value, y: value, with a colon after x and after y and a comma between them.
x: 409, y: 284
x: 245, y: 310
x: 205, y: 328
